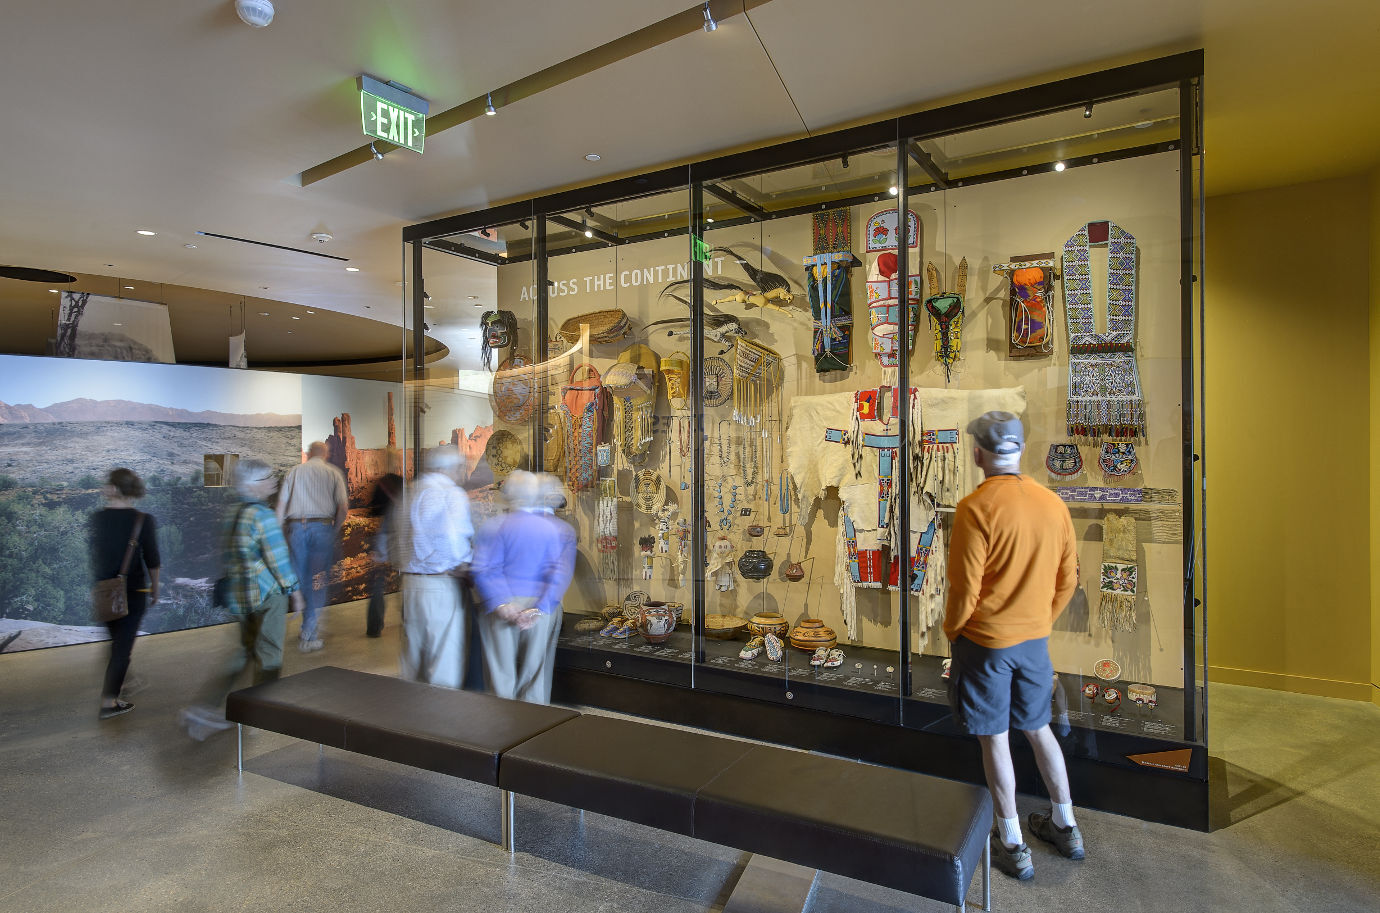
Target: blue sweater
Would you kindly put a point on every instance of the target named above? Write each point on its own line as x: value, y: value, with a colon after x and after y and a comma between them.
x: 525, y: 554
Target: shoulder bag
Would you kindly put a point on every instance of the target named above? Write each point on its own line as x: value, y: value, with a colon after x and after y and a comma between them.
x: 109, y: 597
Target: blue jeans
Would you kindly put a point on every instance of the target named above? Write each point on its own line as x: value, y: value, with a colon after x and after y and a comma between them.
x: 313, y: 552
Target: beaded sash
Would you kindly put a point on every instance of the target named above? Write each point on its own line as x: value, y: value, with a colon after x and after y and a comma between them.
x: 1105, y: 398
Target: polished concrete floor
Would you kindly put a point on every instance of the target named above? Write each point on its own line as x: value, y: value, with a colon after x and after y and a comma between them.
x: 130, y: 815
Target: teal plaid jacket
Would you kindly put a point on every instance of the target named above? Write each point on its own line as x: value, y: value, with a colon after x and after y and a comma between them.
x: 255, y: 558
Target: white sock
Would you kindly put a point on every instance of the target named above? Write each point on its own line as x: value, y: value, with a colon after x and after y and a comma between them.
x: 1062, y: 815
x: 1009, y: 830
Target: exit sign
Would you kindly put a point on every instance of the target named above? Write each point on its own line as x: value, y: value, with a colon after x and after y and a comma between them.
x: 390, y: 113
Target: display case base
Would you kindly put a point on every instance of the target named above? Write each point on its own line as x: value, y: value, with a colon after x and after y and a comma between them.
x: 1102, y: 773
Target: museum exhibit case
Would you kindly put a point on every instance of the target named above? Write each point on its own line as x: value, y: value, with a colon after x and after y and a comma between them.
x: 711, y: 358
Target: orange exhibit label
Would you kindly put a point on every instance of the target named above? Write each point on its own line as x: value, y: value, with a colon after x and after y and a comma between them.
x: 1165, y: 760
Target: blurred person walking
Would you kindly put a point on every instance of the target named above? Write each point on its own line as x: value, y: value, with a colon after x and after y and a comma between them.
x: 387, y: 492
x: 259, y: 582
x: 115, y: 530
x: 523, y: 564
x: 312, y: 509
x: 435, y: 545
x: 1012, y: 568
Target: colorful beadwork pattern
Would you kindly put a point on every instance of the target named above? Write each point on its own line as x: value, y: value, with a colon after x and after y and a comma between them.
x: 1100, y: 495
x: 1119, y: 579
x: 881, y: 230
x: 1064, y: 460
x: 1105, y: 398
x: 831, y: 308
x: 1118, y: 458
x: 833, y: 231
x: 946, y: 319
x: 921, y: 565
x: 884, y: 315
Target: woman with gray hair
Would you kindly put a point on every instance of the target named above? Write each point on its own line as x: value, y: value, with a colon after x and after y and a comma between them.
x: 258, y: 583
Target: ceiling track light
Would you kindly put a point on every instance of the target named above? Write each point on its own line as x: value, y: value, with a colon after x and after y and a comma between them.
x: 709, y: 23
x: 489, y: 108
x: 1087, y: 110
x: 378, y: 157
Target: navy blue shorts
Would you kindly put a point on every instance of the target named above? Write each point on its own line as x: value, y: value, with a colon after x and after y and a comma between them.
x: 995, y: 689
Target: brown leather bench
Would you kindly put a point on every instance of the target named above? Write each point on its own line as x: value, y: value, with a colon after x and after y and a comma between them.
x: 904, y: 830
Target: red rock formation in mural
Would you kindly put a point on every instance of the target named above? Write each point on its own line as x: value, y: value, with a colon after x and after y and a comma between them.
x: 472, y: 445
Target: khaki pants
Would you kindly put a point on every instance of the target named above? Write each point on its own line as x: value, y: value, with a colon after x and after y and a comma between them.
x: 519, y: 664
x: 433, y: 630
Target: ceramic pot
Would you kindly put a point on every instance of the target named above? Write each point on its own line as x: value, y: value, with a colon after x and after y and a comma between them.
x: 794, y: 572
x: 756, y: 530
x: 678, y: 608
x: 657, y: 622
x: 764, y: 623
x: 755, y: 564
x: 811, y: 634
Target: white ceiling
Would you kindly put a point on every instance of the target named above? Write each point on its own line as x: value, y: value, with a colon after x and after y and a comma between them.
x: 173, y: 116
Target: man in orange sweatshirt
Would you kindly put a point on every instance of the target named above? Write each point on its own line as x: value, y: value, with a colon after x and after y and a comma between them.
x: 1012, y: 569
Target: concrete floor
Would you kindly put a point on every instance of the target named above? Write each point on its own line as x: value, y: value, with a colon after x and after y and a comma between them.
x: 130, y: 815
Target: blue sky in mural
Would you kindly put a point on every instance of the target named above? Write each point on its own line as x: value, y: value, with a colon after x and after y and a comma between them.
x: 44, y: 381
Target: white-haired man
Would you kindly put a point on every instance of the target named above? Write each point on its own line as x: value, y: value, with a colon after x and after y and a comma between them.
x: 522, y: 566
x: 434, y: 539
x: 1012, y: 569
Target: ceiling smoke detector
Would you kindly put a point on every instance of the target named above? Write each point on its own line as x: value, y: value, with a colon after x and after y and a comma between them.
x: 321, y: 237
x: 257, y: 13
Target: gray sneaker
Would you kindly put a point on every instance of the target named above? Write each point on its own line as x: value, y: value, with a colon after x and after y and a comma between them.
x: 1016, y: 862
x: 1068, y: 841
x: 310, y: 646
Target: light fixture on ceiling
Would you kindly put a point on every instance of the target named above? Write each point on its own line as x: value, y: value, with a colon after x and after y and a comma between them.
x: 709, y: 23
x: 293, y: 317
x: 190, y: 246
x: 473, y: 297
x: 591, y: 156
x: 489, y: 108
x: 110, y: 265
x: 129, y: 288
x: 146, y: 233
x: 311, y: 312
x: 844, y: 160
x: 429, y: 307
x: 352, y: 269
x: 893, y: 190
x: 263, y: 313
x: 378, y: 156
x: 53, y: 290
x: 426, y: 296
x: 1087, y: 110
x: 256, y: 13
x: 117, y: 324
x: 478, y: 305
x: 710, y: 221
x: 589, y: 233
x: 1059, y: 166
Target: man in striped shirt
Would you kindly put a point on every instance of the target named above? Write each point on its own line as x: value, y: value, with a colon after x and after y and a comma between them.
x: 312, y: 508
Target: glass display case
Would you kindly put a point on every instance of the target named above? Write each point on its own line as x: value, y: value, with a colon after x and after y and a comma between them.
x: 710, y: 357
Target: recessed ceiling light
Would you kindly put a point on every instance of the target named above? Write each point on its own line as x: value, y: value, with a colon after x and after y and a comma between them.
x: 146, y: 233
x: 1059, y: 166
x: 429, y: 307
x: 311, y: 312
x: 472, y: 297
x: 110, y: 265
x: 592, y: 157
x: 53, y: 290
x: 710, y: 221
x: 352, y: 269
x: 129, y: 287
x: 294, y: 317
x: 190, y: 246
x: 479, y: 304
x: 892, y: 190
x: 263, y: 313
x: 117, y: 324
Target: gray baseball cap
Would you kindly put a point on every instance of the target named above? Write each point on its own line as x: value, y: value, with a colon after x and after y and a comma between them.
x: 998, y: 432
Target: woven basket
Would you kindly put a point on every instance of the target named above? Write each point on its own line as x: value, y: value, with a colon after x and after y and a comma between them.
x: 604, y: 326
x: 514, y: 393
x: 723, y: 627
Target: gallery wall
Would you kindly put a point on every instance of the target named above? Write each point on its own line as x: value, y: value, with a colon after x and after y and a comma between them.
x: 1374, y: 548
x: 1290, y: 374
x: 65, y: 423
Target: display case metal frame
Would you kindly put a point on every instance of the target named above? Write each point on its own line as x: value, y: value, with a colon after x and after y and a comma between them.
x: 907, y: 733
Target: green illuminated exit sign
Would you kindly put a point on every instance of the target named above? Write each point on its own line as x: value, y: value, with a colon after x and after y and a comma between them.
x: 390, y: 113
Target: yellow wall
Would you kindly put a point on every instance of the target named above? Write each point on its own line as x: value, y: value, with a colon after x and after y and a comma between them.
x: 1374, y: 437
x: 1289, y: 381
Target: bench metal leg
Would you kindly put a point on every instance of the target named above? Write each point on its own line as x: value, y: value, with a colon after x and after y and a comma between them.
x: 508, y: 841
x: 987, y: 876
x: 239, y: 747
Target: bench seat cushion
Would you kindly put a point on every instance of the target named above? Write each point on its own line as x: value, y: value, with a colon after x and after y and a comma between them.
x: 459, y: 733
x: 625, y: 769
x: 904, y: 830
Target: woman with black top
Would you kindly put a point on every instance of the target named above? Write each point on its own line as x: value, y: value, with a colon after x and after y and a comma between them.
x: 111, y: 530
